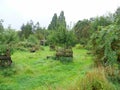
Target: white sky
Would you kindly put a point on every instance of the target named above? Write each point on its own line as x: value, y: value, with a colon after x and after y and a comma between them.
x: 17, y: 12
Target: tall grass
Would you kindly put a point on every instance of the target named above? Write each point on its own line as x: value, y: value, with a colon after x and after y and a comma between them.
x: 93, y: 80
x: 32, y: 71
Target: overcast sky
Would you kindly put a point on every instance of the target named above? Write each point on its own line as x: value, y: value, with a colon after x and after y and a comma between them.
x: 17, y: 12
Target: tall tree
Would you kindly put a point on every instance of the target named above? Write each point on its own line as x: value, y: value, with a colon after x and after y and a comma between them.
x: 61, y: 20
x: 117, y: 16
x: 39, y: 32
x: 53, y: 25
x: 57, y: 22
x: 1, y: 26
x: 62, y: 37
x: 82, y: 31
x: 26, y: 30
x: 100, y: 21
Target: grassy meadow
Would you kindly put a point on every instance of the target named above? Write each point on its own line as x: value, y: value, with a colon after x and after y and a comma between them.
x: 33, y: 71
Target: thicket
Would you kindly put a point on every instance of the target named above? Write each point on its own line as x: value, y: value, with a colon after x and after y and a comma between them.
x: 106, y: 44
x: 8, y: 39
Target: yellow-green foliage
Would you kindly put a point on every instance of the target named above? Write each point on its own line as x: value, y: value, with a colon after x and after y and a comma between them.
x: 79, y: 46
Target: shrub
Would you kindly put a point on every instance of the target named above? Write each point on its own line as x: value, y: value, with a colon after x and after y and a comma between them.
x: 23, y: 46
x: 3, y: 49
x: 32, y: 39
x: 27, y: 46
x: 66, y: 59
x: 79, y: 46
x: 113, y: 73
x: 106, y: 44
x: 62, y: 37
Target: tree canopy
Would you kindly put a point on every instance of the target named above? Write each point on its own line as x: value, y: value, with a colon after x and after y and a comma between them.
x: 57, y: 22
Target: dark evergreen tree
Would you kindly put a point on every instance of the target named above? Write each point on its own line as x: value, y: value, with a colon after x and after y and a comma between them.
x: 39, y: 32
x: 57, y: 22
x: 26, y: 30
x: 61, y: 20
x: 53, y: 25
x: 1, y: 26
x: 62, y: 37
x: 117, y: 16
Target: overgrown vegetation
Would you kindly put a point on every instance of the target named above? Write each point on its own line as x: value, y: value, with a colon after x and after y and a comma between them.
x: 106, y: 44
x: 99, y: 35
x: 33, y: 71
x: 94, y: 80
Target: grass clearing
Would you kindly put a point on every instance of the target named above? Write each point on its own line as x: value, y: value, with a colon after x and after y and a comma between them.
x: 32, y: 71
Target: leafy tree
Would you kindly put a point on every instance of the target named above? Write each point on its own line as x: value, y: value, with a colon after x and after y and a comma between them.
x: 70, y: 38
x: 82, y: 31
x: 40, y: 33
x: 100, y: 21
x: 51, y: 38
x: 61, y: 36
x: 32, y: 39
x: 26, y: 30
x: 10, y: 36
x: 85, y: 28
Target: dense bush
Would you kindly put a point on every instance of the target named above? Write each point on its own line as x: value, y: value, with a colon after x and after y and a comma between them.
x: 113, y: 73
x: 3, y: 49
x: 32, y: 39
x: 79, y: 46
x: 106, y: 44
x: 26, y: 46
x: 9, y: 36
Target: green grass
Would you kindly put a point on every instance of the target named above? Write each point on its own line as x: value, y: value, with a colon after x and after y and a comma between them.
x: 32, y: 71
